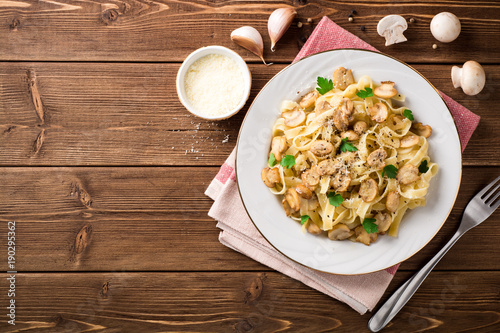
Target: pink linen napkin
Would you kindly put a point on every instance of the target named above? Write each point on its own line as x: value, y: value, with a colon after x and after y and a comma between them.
x: 361, y: 292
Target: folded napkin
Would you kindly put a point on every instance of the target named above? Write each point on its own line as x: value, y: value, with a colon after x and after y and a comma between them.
x: 361, y: 292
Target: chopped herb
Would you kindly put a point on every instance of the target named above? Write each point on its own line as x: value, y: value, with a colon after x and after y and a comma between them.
x: 335, y: 199
x: 423, y: 168
x: 304, y: 218
x: 347, y: 146
x: 390, y: 170
x: 365, y: 93
x: 408, y: 114
x: 370, y: 226
x: 324, y: 84
x: 288, y: 161
x: 272, y: 160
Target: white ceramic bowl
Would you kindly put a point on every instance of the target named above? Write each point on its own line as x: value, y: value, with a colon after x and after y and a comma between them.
x: 204, y: 51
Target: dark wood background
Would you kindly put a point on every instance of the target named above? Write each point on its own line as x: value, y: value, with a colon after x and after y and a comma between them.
x: 94, y: 147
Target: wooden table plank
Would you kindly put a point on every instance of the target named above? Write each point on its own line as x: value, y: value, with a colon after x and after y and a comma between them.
x: 238, y: 302
x: 129, y: 114
x: 155, y: 219
x: 127, y: 30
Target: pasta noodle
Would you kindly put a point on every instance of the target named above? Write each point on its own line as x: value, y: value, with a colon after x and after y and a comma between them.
x: 349, y: 162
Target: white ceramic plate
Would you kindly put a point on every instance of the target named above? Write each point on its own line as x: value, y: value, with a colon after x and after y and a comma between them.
x: 344, y: 257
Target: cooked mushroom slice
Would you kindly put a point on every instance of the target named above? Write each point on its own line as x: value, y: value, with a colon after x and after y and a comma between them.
x: 422, y: 130
x: 341, y: 181
x: 293, y: 199
x: 350, y: 135
x: 303, y: 191
x: 278, y: 147
x: 286, y: 207
x: 309, y: 99
x: 342, y: 78
x: 385, y: 90
x: 328, y: 167
x: 273, y: 175
x: 340, y: 120
x: 347, y: 106
x: 364, y: 237
x: 340, y: 232
x: 310, y: 178
x: 312, y: 203
x: 270, y: 176
x: 294, y: 117
x: 313, y: 228
x: 408, y: 174
x: 383, y: 222
x: 378, y: 112
x: 263, y: 175
x: 368, y: 190
x: 360, y: 127
x: 377, y: 158
x: 392, y: 202
x: 321, y: 148
x: 321, y: 107
x: 409, y: 141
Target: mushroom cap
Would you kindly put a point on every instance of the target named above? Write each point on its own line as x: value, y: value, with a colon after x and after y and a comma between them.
x: 470, y: 77
x: 445, y: 27
x: 390, y: 21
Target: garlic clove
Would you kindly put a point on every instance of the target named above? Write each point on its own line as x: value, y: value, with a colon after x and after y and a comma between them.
x: 278, y: 23
x: 249, y: 38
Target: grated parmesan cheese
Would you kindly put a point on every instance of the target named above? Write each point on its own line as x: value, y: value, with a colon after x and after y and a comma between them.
x: 214, y: 85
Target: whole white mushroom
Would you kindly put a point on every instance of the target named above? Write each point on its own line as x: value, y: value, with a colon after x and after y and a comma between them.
x: 470, y: 77
x: 445, y: 27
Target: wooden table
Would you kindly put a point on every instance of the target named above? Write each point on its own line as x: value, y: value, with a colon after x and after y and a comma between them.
x: 103, y: 171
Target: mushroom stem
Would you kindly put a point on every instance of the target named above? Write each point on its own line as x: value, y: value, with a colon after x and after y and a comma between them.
x: 456, y: 74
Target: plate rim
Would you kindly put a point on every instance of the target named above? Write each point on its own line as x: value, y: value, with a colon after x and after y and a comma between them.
x: 337, y: 50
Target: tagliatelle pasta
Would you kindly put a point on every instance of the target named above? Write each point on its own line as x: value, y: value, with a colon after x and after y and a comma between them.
x: 349, y: 162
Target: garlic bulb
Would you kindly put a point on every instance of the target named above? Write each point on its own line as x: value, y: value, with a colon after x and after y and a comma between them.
x: 249, y: 38
x: 278, y: 23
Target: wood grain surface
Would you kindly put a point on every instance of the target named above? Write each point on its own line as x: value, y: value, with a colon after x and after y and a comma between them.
x: 239, y: 302
x: 104, y: 171
x: 161, y: 31
x: 147, y: 219
x: 129, y: 114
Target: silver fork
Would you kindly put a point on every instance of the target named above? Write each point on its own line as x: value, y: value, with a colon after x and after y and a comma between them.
x: 479, y: 209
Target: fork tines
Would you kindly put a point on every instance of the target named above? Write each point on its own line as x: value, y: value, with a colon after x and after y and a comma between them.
x: 490, y: 194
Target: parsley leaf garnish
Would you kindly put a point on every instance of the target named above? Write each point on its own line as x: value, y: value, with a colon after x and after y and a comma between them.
x: 408, y: 114
x: 288, y: 161
x: 390, y: 170
x: 347, y: 146
x: 423, y: 168
x: 335, y: 199
x: 365, y: 93
x: 304, y: 218
x: 370, y: 226
x: 272, y: 160
x: 324, y: 84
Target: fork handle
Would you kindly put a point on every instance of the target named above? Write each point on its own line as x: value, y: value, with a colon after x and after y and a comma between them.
x: 396, y: 302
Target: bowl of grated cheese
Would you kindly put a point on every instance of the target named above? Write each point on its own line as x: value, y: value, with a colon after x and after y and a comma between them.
x: 213, y: 82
